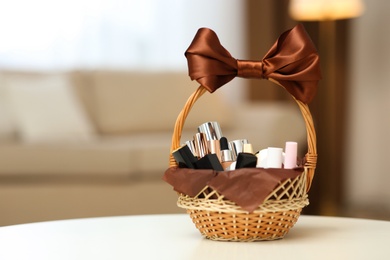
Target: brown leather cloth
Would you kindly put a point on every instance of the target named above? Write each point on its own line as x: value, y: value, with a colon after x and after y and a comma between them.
x: 247, y: 187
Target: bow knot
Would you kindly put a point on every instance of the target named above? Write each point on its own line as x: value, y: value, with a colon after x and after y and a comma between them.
x: 292, y: 61
x: 250, y: 69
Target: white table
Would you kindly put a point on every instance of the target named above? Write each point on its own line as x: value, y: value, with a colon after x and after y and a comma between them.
x: 175, y: 237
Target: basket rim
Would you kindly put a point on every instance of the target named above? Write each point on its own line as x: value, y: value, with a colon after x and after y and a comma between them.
x: 190, y: 203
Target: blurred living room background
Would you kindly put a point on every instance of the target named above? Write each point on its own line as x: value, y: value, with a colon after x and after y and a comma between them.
x: 90, y: 91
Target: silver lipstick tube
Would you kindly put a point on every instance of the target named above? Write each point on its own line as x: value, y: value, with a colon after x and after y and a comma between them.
x: 191, y: 145
x: 237, y: 146
x: 200, y: 144
x: 212, y: 130
x: 214, y: 147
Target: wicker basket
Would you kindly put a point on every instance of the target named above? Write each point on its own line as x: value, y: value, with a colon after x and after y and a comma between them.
x: 220, y: 219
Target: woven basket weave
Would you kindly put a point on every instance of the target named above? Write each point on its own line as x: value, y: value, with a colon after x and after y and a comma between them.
x: 220, y: 219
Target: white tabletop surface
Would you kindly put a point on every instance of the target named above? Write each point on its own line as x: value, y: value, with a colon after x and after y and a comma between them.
x: 175, y: 237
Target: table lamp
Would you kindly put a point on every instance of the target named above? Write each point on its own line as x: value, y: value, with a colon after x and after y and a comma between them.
x: 320, y: 10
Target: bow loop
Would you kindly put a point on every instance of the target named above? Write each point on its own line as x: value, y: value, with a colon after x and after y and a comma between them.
x: 292, y: 61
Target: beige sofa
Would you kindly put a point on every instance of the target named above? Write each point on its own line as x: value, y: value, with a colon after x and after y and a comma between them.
x: 119, y: 122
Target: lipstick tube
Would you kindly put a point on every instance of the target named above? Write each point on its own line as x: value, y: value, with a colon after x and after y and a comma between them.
x: 184, y: 157
x: 246, y: 160
x: 209, y: 161
x: 248, y: 148
x: 191, y: 146
x: 212, y: 130
x: 214, y: 147
x: 200, y: 144
x: 226, y: 153
x: 237, y: 146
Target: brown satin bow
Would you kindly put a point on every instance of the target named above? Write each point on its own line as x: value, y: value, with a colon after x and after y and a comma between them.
x: 292, y: 61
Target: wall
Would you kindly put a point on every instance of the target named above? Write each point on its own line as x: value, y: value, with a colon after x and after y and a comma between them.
x: 368, y: 175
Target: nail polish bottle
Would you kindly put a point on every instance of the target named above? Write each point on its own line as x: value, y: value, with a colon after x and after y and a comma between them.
x: 226, y: 153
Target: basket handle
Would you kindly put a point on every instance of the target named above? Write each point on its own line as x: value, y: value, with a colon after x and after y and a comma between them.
x: 311, y: 155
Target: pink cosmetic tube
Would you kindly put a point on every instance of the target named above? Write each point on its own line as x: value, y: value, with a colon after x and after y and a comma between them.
x: 290, y: 158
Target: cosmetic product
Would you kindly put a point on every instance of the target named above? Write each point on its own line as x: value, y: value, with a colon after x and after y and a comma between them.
x: 226, y: 153
x: 290, y: 158
x: 237, y: 146
x: 184, y: 157
x: 274, y: 157
x: 247, y: 148
x: 261, y: 158
x: 246, y: 160
x: 200, y: 144
x: 209, y: 161
x: 231, y: 167
x: 191, y: 145
x: 214, y: 147
x: 212, y: 130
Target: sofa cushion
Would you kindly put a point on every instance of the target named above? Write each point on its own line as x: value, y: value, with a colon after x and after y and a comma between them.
x: 82, y: 158
x: 127, y: 102
x: 45, y: 108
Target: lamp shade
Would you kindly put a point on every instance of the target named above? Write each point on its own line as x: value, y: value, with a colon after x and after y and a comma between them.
x: 319, y: 10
